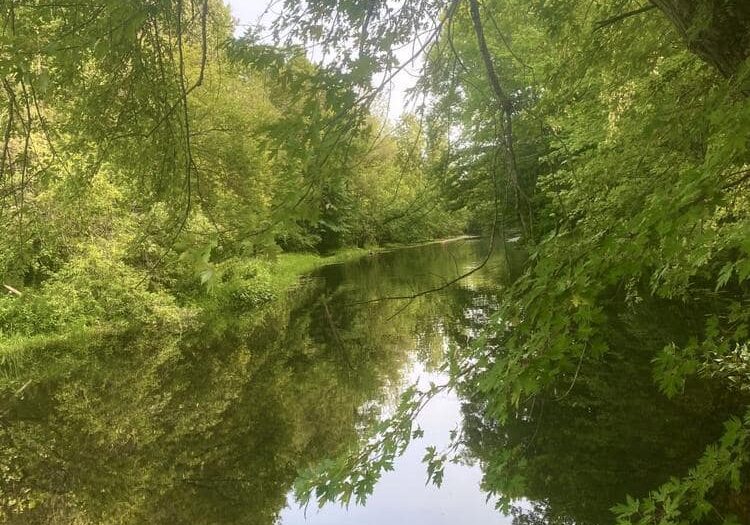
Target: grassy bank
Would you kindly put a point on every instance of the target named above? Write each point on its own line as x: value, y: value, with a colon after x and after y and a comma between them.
x: 95, y: 295
x: 289, y: 267
x: 97, y: 305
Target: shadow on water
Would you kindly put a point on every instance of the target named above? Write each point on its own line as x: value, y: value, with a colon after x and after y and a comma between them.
x: 592, y: 439
x: 212, y: 426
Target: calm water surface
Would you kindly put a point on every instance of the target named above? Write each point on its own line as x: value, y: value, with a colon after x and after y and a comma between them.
x: 213, y: 426
x: 403, y: 496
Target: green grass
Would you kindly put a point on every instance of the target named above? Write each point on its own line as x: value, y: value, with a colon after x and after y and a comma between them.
x: 289, y: 267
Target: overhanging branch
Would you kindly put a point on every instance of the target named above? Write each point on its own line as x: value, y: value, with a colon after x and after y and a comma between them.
x: 622, y: 16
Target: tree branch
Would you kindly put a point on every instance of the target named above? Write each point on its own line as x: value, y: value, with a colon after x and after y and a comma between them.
x: 622, y: 16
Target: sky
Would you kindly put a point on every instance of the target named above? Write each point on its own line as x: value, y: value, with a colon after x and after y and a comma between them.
x: 249, y: 12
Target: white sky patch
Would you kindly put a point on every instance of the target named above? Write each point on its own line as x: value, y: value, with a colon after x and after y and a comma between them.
x: 394, y: 103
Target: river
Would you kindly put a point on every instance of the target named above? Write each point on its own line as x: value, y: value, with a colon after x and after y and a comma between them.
x: 213, y: 426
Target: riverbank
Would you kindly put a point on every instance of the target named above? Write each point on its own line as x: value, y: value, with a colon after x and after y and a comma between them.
x: 291, y: 266
x: 102, y: 296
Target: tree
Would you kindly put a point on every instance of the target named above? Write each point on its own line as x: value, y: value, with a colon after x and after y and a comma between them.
x: 715, y: 30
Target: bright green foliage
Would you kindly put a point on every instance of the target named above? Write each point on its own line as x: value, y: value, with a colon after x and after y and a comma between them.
x: 153, y: 171
x: 150, y: 160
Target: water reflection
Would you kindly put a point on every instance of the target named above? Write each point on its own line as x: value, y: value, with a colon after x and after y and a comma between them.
x: 212, y: 426
x: 402, y: 496
x: 605, y: 431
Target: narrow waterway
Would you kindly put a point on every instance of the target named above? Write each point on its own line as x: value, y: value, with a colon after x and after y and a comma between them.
x: 443, y: 319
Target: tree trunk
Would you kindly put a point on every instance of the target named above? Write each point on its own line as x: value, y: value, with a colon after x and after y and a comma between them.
x: 716, y: 30
x: 522, y: 201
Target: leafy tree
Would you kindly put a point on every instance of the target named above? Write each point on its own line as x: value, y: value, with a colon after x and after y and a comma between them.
x: 614, y: 136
